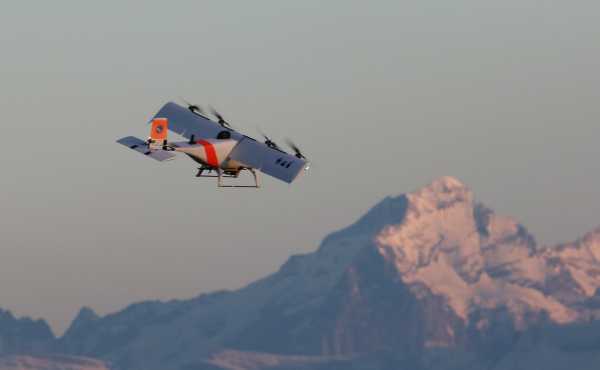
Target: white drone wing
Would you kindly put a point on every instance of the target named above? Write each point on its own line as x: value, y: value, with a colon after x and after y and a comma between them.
x: 273, y: 162
x: 140, y: 146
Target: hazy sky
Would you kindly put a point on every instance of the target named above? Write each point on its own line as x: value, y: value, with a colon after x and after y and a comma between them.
x: 382, y: 96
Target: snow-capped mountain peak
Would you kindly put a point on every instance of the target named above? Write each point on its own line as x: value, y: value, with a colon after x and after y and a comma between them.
x: 471, y: 257
x: 440, y: 194
x: 439, y: 220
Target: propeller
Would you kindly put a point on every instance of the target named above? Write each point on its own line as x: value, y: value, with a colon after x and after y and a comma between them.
x: 270, y: 143
x: 220, y: 120
x: 193, y: 107
x: 295, y: 148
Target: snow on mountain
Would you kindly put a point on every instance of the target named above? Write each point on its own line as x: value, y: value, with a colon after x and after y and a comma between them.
x: 473, y: 263
x: 50, y: 363
x: 580, y: 260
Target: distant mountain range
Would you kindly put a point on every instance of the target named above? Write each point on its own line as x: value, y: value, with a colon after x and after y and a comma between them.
x: 23, y: 335
x: 426, y: 280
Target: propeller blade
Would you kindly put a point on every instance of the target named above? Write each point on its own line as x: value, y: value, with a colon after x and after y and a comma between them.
x: 295, y: 148
x: 220, y: 118
x: 193, y: 107
x: 270, y: 143
x: 217, y: 114
x: 185, y: 101
x: 261, y: 132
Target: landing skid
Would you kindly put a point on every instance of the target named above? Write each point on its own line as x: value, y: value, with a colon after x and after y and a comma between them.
x: 220, y: 176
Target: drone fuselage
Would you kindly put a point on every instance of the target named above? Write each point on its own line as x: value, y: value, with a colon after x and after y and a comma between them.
x: 213, y: 153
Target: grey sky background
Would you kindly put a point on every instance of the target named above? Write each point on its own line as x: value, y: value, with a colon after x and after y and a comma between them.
x: 382, y: 96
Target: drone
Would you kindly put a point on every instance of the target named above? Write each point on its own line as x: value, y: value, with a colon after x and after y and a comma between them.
x: 221, y: 151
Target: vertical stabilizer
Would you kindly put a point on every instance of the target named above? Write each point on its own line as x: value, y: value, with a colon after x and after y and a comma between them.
x: 159, y: 129
x: 158, y: 133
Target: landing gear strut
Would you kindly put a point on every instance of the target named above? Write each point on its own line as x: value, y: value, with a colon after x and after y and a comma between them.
x: 221, y: 174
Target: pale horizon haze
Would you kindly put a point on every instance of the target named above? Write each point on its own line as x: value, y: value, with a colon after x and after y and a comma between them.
x: 382, y: 96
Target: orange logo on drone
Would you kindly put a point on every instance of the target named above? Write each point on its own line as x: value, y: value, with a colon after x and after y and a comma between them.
x: 159, y: 128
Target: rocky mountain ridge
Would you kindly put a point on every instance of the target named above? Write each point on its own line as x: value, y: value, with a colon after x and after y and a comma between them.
x: 18, y: 335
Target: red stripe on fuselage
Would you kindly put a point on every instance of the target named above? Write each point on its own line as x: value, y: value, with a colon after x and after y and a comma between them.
x: 211, y: 153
